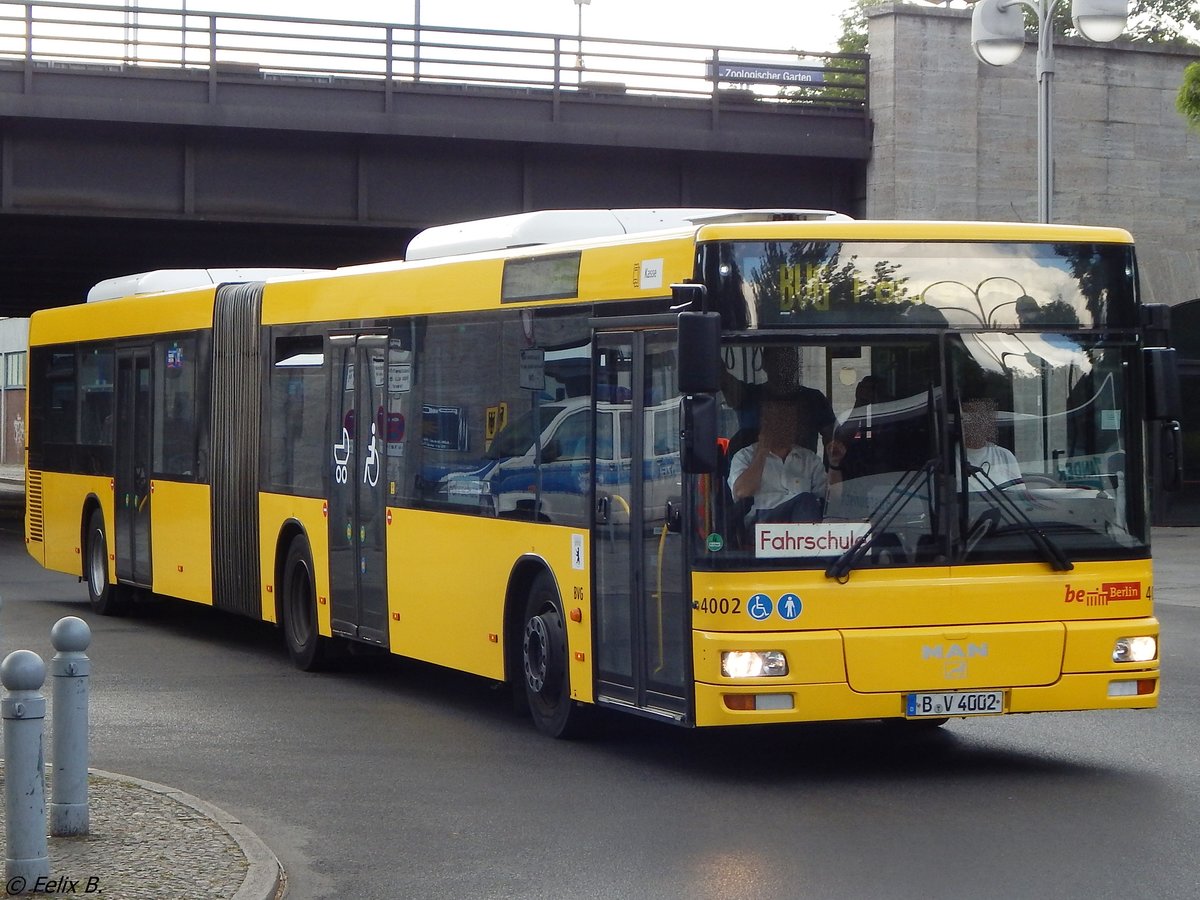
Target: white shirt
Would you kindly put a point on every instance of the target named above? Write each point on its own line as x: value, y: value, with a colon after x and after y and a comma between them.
x: 998, y: 465
x: 782, y: 479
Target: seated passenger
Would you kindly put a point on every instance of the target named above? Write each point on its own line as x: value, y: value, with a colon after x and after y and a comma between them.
x: 786, y: 480
x: 997, y: 465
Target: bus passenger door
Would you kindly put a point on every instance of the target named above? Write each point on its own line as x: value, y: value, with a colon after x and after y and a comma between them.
x: 642, y: 645
x: 357, y: 489
x: 131, y: 477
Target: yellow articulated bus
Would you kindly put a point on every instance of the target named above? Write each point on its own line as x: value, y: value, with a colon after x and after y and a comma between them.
x: 717, y: 467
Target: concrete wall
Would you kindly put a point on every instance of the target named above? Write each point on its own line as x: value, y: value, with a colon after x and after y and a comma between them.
x: 957, y: 139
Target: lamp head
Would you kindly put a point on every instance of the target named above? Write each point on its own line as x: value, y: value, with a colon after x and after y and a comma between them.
x: 1100, y: 20
x: 997, y: 31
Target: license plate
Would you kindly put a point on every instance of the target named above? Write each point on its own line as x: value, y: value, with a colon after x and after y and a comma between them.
x: 959, y: 703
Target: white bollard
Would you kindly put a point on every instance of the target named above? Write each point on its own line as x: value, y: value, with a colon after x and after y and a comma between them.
x: 70, y: 669
x: 24, y: 711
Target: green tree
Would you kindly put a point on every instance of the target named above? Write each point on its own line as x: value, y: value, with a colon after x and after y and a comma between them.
x: 1164, y: 22
x: 1188, y: 101
x: 853, y: 38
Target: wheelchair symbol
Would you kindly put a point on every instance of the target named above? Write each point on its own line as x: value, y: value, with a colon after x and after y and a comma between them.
x: 759, y: 607
x: 371, y: 467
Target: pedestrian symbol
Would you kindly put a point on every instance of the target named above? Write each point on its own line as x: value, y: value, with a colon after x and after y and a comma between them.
x: 789, y: 606
x: 759, y: 607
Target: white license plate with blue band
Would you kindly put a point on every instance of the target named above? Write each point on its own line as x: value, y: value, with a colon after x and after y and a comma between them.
x: 959, y: 703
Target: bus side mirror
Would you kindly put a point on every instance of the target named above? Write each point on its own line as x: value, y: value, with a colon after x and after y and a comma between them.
x: 1170, y: 451
x: 698, y: 438
x: 1163, y: 402
x: 699, y: 352
x: 1164, y: 407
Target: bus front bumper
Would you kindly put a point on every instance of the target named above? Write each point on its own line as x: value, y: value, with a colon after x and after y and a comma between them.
x: 838, y: 702
x: 891, y: 673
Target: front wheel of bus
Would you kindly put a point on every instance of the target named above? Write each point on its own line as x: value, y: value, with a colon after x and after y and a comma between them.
x: 544, y: 662
x: 107, y: 599
x: 299, y: 609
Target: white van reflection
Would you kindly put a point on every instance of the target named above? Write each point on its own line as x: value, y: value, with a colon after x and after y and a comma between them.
x: 506, y: 482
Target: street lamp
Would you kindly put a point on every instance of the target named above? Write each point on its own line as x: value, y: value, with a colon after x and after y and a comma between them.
x: 580, y: 4
x: 998, y: 37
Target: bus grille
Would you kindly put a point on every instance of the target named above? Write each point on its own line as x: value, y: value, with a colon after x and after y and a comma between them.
x: 33, y: 506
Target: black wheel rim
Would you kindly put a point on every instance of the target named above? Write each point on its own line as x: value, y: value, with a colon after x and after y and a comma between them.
x: 543, y: 657
x: 537, y: 643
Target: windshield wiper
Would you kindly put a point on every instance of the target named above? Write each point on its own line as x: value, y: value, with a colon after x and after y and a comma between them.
x: 898, y: 494
x: 1005, y: 504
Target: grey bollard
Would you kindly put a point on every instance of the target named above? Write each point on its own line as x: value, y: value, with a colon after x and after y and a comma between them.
x: 70, y: 669
x: 24, y: 712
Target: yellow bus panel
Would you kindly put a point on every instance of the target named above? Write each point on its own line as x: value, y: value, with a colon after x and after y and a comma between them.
x: 896, y: 230
x: 964, y: 595
x: 63, y: 498
x: 276, y: 512
x: 954, y: 658
x: 454, y: 615
x: 608, y: 270
x: 1090, y: 644
x: 151, y: 315
x: 180, y: 540
x: 814, y: 656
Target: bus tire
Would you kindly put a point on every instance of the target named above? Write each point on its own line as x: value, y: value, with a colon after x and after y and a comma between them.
x: 298, y: 609
x: 544, y: 662
x: 106, y: 598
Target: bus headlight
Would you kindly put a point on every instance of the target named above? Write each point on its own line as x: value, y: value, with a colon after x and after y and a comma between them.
x: 1135, y: 649
x: 753, y: 663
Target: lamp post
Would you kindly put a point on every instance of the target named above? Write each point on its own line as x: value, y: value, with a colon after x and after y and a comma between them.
x: 580, y: 4
x: 998, y: 37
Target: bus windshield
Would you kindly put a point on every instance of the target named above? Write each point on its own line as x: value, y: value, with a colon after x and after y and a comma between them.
x: 789, y: 284
x: 946, y: 448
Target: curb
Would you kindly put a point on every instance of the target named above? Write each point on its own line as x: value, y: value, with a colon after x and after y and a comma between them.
x: 264, y: 879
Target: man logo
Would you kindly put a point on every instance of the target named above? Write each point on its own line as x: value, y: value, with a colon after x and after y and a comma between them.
x: 954, y: 657
x: 953, y: 651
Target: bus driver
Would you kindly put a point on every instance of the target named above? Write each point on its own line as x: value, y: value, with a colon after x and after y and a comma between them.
x: 787, y: 481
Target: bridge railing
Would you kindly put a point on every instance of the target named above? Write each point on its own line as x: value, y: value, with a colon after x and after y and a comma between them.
x: 412, y: 55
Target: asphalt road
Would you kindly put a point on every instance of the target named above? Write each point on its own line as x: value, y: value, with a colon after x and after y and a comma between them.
x: 392, y: 779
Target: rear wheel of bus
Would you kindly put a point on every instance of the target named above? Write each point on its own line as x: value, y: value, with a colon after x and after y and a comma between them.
x: 298, y: 609
x: 544, y: 667
x: 106, y: 598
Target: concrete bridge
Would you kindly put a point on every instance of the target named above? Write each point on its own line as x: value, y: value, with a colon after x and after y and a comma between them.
x: 135, y: 138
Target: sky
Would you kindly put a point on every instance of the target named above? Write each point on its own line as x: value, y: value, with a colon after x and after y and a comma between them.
x: 760, y: 24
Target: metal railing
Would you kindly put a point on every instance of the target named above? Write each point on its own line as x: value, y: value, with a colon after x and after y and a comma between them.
x: 116, y: 38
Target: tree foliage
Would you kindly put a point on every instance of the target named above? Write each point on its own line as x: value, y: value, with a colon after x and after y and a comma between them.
x: 1163, y: 22
x: 853, y: 38
x: 1188, y: 100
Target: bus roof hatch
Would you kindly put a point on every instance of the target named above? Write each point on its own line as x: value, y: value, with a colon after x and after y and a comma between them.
x: 160, y: 281
x: 548, y: 226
